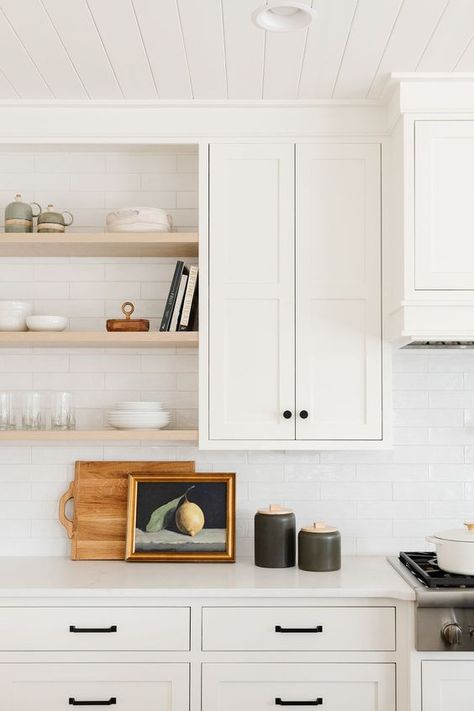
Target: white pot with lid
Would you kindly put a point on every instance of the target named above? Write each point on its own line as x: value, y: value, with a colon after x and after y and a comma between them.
x: 455, y: 549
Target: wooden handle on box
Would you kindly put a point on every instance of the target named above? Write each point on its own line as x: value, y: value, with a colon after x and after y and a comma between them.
x: 66, y: 522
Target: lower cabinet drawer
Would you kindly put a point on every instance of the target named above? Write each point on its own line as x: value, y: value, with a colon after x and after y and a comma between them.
x: 299, y: 629
x: 94, y: 628
x: 125, y: 687
x: 447, y: 686
x: 333, y: 687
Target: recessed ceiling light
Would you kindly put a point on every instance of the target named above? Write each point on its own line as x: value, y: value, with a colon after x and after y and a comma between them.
x: 283, y: 16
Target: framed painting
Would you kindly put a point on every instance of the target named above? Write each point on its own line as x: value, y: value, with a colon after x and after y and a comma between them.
x: 175, y: 517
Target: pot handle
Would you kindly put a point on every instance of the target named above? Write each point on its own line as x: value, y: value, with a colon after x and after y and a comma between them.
x: 434, y: 541
x: 67, y: 224
x: 40, y: 209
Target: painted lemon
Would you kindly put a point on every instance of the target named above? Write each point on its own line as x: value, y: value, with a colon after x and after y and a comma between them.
x: 189, y: 518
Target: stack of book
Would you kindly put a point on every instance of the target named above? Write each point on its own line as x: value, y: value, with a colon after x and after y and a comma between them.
x: 181, y: 312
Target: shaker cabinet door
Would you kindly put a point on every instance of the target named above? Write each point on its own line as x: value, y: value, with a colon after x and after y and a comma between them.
x: 251, y: 292
x: 447, y: 686
x: 444, y: 215
x: 338, y: 292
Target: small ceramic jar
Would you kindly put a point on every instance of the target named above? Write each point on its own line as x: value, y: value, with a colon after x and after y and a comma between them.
x: 53, y: 221
x: 319, y: 548
x: 19, y: 215
x: 275, y: 537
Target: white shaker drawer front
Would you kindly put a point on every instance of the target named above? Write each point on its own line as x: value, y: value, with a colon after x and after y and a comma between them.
x: 124, y: 687
x: 299, y: 629
x: 332, y: 687
x: 95, y: 628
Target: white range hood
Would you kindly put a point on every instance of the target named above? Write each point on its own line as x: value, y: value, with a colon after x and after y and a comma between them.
x: 429, y: 260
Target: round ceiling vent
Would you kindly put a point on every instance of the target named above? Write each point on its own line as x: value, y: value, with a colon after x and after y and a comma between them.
x: 280, y: 16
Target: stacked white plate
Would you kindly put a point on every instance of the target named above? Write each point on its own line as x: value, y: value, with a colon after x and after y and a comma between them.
x: 138, y: 416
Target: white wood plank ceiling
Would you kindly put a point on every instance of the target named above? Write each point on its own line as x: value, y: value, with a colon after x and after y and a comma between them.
x: 210, y: 49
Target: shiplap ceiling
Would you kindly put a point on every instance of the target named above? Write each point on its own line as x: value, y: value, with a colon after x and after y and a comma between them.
x: 210, y: 49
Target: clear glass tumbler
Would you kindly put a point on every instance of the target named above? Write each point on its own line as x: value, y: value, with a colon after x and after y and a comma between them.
x: 62, y: 411
x: 32, y: 416
x: 7, y: 414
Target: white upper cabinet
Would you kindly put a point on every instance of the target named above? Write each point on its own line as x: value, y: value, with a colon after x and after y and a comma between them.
x: 338, y: 297
x: 294, y: 297
x: 251, y: 292
x: 444, y: 212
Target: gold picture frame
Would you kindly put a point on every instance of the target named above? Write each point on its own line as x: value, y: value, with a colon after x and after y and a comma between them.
x: 168, y: 523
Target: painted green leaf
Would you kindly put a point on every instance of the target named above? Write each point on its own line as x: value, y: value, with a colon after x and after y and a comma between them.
x: 164, y: 514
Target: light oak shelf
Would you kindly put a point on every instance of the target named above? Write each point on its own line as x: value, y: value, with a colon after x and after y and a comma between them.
x: 130, y: 244
x: 77, y: 435
x: 98, y: 339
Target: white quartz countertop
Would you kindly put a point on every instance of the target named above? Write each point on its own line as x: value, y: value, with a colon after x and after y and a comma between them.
x: 359, y: 577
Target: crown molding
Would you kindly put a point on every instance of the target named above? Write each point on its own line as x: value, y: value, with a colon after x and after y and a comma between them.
x: 187, y: 104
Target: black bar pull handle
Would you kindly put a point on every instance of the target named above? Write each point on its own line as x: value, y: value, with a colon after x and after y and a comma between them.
x: 111, y: 702
x: 305, y: 630
x: 92, y: 630
x: 314, y: 702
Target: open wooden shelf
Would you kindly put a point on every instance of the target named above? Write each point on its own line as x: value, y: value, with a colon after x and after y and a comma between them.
x: 130, y: 244
x: 98, y: 339
x: 110, y: 434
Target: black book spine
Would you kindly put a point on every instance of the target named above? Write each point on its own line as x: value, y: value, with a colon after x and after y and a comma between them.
x: 168, y: 312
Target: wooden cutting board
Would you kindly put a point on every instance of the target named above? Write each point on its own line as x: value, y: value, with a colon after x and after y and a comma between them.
x: 98, y: 528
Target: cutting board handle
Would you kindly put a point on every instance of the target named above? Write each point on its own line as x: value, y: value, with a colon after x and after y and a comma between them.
x: 66, y: 522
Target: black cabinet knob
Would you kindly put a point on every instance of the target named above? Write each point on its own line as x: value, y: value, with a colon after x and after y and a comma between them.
x: 304, y: 414
x: 287, y: 414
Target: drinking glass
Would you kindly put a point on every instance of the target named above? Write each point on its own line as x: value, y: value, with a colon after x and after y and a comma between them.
x: 31, y: 417
x: 7, y: 415
x: 62, y: 412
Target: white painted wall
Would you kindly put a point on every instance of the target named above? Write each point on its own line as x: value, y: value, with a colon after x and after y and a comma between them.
x: 382, y: 501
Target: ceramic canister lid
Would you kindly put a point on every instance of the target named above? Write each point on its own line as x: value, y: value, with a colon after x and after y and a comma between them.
x: 275, y: 510
x: 319, y: 527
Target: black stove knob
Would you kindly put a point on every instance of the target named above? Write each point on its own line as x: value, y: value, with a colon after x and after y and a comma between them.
x: 451, y: 633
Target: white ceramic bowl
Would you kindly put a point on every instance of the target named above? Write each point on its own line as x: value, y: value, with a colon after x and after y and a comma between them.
x: 137, y: 406
x: 12, y: 321
x: 46, y: 323
x: 17, y: 306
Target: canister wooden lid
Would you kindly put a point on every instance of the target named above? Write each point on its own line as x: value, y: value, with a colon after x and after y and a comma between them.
x: 319, y: 527
x: 275, y: 510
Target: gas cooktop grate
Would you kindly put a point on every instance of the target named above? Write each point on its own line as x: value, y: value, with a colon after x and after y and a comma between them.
x: 424, y: 566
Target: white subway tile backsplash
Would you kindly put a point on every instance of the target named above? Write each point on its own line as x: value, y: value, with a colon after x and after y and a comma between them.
x: 428, y: 418
x: 451, y: 472
x: 427, y: 491
x: 298, y: 471
x: 393, y: 472
x: 101, y: 182
x: 165, y: 199
x: 410, y: 399
x: 359, y: 491
x: 431, y: 454
x: 428, y: 381
x: 392, y: 509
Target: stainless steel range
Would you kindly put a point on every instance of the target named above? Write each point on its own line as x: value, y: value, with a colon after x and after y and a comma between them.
x: 444, y: 604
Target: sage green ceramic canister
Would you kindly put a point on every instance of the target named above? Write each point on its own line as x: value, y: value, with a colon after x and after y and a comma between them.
x: 19, y: 215
x: 53, y: 221
x: 319, y: 548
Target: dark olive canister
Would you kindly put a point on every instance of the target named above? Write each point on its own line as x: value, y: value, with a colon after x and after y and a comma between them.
x: 319, y: 548
x: 275, y: 537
